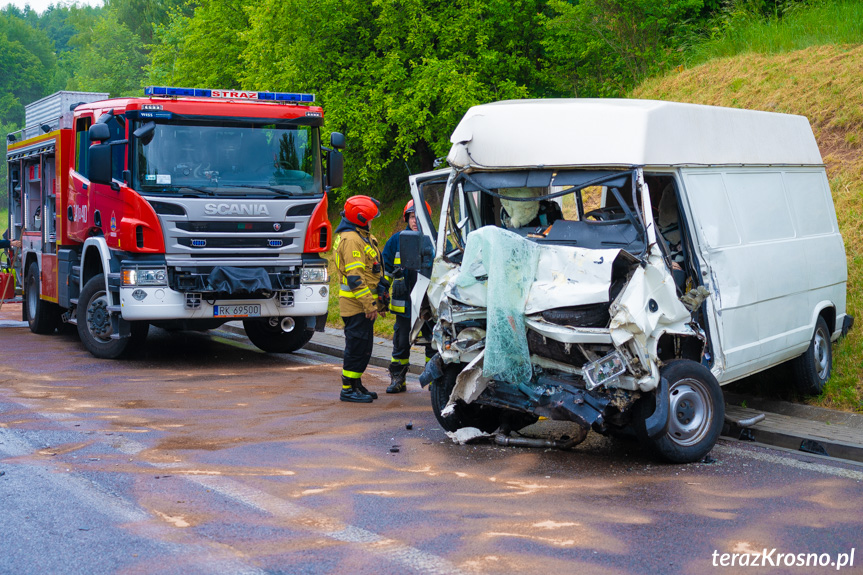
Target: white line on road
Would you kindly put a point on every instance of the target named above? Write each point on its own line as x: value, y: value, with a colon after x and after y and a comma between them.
x: 791, y: 462
x: 213, y: 558
x: 307, y: 519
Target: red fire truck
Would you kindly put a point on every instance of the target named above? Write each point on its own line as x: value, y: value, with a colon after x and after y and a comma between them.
x: 184, y: 209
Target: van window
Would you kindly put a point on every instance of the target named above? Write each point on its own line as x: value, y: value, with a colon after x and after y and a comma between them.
x: 706, y: 194
x: 753, y: 198
x: 808, y: 194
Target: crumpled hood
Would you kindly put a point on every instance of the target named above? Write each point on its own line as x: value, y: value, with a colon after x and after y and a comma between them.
x: 565, y: 276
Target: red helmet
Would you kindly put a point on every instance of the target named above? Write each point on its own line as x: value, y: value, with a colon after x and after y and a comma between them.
x: 409, y: 208
x: 360, y: 210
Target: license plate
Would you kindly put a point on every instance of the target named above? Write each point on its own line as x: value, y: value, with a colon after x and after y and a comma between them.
x: 240, y: 310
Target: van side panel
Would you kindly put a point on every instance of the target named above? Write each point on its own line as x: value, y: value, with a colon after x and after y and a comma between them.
x: 770, y: 241
x: 731, y: 278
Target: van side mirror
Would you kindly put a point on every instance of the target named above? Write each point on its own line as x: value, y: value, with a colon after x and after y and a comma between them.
x: 335, y: 169
x: 99, y: 163
x: 417, y: 251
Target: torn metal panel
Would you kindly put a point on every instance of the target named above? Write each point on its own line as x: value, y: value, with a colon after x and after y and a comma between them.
x: 469, y: 384
x: 648, y: 306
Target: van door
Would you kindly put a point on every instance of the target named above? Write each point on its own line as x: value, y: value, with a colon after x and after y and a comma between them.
x: 753, y: 261
x: 428, y: 192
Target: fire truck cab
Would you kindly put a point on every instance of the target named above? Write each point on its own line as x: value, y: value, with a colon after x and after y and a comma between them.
x: 183, y: 209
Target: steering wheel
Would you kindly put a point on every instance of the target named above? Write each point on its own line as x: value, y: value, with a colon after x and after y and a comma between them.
x: 606, y: 214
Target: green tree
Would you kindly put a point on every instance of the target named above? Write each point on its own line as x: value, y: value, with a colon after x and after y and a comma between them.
x: 108, y: 57
x: 27, y: 66
x: 201, y: 48
x: 395, y: 76
x: 605, y: 47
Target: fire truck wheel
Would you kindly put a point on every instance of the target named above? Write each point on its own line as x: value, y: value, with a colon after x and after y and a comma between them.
x: 272, y: 339
x: 94, y: 323
x: 40, y: 313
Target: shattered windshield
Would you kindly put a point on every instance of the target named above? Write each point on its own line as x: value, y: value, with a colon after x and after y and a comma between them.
x: 585, y: 208
x: 228, y: 159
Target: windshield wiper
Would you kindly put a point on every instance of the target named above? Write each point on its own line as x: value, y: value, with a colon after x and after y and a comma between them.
x: 270, y: 188
x: 199, y: 190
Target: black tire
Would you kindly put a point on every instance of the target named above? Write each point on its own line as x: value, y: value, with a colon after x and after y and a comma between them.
x: 94, y: 323
x: 696, y: 413
x: 41, y: 315
x: 813, y: 368
x: 482, y: 417
x: 272, y: 339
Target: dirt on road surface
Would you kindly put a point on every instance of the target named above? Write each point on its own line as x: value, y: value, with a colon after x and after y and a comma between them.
x: 223, y: 448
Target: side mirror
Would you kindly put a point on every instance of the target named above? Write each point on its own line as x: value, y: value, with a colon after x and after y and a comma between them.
x: 99, y: 133
x: 337, y: 140
x: 335, y: 169
x: 417, y: 251
x: 99, y: 163
x: 145, y: 133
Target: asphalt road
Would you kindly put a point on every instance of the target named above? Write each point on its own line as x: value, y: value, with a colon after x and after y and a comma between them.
x: 204, y: 455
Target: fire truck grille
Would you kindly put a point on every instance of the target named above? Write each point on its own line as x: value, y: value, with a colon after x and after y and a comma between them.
x: 235, y: 242
x: 234, y: 227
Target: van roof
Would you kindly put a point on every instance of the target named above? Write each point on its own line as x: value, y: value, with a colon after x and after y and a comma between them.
x: 620, y: 132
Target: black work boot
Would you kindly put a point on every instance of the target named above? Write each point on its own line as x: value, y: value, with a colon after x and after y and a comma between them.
x: 350, y: 391
x: 361, y: 387
x: 398, y: 372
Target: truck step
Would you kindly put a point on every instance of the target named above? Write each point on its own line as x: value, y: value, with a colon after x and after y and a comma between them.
x: 114, y: 308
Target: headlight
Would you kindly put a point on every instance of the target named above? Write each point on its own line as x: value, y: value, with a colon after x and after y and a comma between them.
x: 314, y: 275
x: 604, y: 370
x: 157, y: 277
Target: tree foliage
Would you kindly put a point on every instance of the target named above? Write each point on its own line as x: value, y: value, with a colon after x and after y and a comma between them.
x: 27, y: 67
x: 394, y: 75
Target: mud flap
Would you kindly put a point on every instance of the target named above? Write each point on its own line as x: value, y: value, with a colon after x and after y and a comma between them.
x: 657, y: 424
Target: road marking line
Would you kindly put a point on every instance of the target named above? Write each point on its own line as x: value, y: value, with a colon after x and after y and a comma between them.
x: 791, y: 462
x: 213, y: 558
x: 308, y: 519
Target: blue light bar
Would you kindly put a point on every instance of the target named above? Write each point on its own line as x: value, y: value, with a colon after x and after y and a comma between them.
x: 229, y: 94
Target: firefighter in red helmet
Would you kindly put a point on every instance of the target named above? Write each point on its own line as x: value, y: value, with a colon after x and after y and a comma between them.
x: 363, y: 294
x: 402, y: 281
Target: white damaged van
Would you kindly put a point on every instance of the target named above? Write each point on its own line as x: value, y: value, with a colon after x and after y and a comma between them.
x: 613, y: 262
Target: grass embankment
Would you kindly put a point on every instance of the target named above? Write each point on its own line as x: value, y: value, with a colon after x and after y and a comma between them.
x: 823, y: 84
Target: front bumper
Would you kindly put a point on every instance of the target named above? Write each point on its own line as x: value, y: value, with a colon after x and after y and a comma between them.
x: 162, y: 303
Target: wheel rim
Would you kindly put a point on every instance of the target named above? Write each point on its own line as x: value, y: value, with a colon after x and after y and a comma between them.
x: 98, y: 317
x: 821, y: 354
x: 690, y: 411
x: 32, y: 297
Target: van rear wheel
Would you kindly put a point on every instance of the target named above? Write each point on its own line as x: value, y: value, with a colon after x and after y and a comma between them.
x: 696, y: 413
x: 812, y: 369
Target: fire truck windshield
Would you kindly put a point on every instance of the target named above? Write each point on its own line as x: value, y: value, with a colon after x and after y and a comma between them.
x: 228, y: 159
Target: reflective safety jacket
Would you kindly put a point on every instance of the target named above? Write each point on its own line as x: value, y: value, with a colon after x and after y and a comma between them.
x: 401, y: 279
x: 360, y: 269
